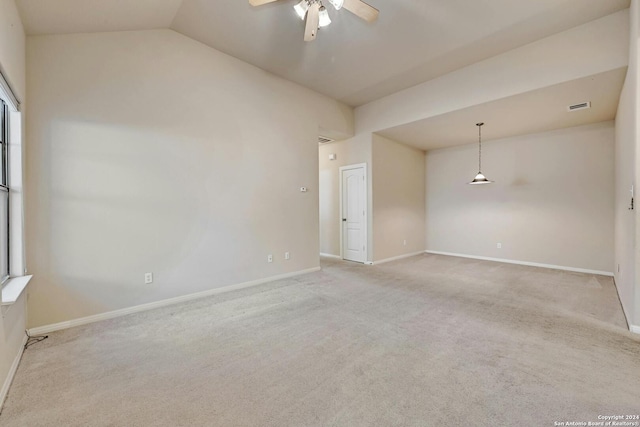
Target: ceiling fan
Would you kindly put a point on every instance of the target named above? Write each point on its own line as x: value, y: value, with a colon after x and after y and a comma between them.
x: 317, y: 15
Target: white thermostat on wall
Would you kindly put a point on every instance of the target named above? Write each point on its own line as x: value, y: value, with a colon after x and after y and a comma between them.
x: 332, y: 156
x: 303, y: 189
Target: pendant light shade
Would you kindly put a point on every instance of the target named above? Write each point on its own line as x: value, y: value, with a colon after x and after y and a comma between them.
x: 480, y: 178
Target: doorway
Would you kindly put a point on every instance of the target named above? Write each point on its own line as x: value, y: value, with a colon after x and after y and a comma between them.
x: 353, y: 212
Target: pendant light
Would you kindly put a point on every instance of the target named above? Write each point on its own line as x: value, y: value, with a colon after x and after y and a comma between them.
x: 480, y: 178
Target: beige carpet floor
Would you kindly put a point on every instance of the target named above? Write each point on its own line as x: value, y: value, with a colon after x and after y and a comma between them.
x: 425, y: 341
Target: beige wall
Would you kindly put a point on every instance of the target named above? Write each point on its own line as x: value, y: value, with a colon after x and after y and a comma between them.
x: 626, y: 155
x: 551, y: 203
x: 635, y: 47
x: 395, y: 195
x: 12, y: 61
x: 150, y: 152
x: 348, y: 152
x: 12, y: 47
x: 398, y: 199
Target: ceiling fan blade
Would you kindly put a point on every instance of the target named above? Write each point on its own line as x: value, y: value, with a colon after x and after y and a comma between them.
x: 260, y: 2
x: 361, y: 9
x: 313, y: 18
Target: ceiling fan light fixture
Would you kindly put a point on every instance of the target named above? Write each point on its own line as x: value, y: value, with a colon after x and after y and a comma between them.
x: 315, y: 16
x: 337, y: 3
x: 301, y: 8
x: 324, y: 19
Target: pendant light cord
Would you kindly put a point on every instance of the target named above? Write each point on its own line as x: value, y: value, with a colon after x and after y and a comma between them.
x: 479, y: 146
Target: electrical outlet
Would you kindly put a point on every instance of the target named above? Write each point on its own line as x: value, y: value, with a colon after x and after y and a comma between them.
x: 287, y: 255
x: 404, y: 243
x: 148, y: 278
x: 499, y: 245
x: 269, y: 258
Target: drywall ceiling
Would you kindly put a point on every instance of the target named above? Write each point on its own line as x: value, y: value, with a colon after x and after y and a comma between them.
x: 531, y: 112
x: 352, y: 61
x: 91, y: 16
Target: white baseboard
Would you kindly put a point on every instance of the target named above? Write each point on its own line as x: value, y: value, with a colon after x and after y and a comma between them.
x: 330, y: 255
x: 635, y: 329
x: 12, y: 373
x: 395, y: 258
x: 531, y: 264
x: 163, y: 303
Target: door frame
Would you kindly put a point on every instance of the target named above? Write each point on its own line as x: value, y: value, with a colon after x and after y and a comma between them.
x: 366, y: 209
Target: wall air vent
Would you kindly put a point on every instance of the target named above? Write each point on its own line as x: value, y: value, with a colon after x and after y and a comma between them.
x: 324, y: 139
x: 580, y: 106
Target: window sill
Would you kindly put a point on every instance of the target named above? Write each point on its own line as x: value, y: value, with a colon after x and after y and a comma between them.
x: 13, y: 288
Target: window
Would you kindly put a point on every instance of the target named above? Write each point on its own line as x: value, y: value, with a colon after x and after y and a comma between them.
x: 11, y: 208
x: 4, y: 192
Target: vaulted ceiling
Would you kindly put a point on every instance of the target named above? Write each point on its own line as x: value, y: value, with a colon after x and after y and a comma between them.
x: 412, y: 41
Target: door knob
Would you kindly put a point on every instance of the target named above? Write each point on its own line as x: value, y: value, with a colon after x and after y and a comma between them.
x: 344, y: 219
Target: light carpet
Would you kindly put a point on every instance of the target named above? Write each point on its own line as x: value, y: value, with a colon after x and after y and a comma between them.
x: 425, y: 341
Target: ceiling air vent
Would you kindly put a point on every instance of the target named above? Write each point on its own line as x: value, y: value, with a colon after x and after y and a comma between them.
x: 324, y: 139
x: 581, y: 106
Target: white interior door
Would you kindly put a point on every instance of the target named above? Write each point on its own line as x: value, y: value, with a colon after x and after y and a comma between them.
x: 354, y: 219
